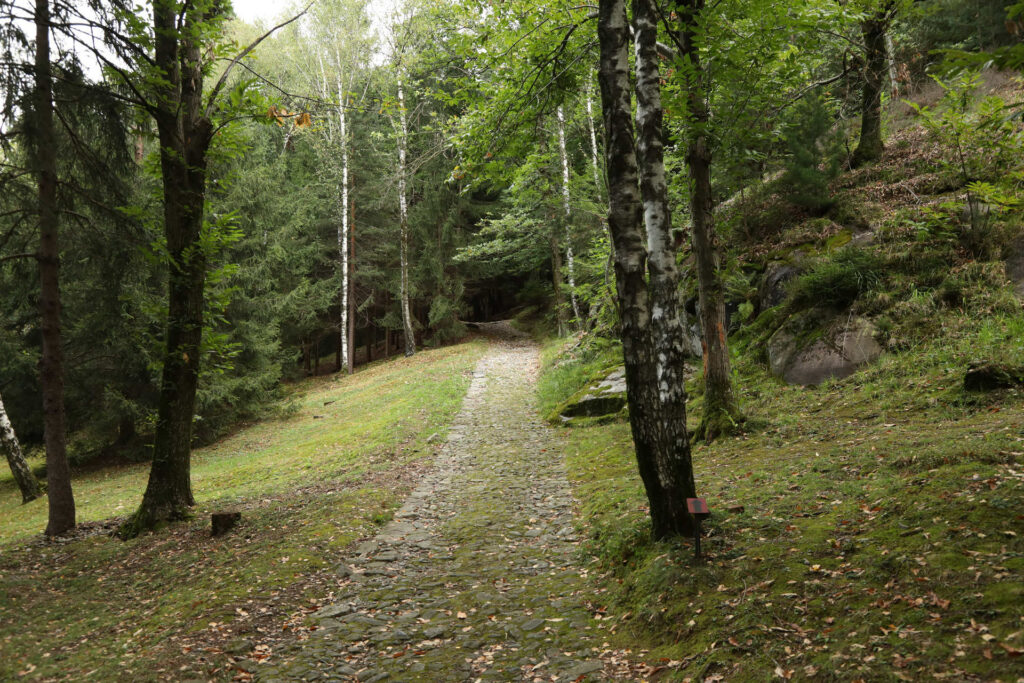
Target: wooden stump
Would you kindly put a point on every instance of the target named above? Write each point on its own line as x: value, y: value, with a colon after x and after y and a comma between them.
x: 223, y: 522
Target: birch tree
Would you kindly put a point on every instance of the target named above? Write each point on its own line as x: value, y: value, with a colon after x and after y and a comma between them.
x: 339, y: 35
x: 23, y: 477
x: 589, y: 100
x: 345, y: 270
x: 403, y: 217
x: 654, y: 373
x: 567, y: 208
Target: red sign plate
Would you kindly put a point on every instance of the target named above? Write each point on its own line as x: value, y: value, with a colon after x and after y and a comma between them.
x: 696, y: 506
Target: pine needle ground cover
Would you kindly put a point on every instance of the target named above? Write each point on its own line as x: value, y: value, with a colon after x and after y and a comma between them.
x: 177, y: 604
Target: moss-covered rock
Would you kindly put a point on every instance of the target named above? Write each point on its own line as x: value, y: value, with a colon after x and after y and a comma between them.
x: 600, y: 400
x: 815, y: 345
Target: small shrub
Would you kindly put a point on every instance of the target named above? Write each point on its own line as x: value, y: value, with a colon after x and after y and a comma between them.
x: 814, y: 157
x: 981, y: 144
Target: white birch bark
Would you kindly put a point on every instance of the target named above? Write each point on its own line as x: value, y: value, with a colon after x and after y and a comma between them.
x: 593, y: 140
x: 403, y: 215
x: 343, y: 237
x: 658, y: 427
x: 894, y: 86
x: 569, y: 259
x: 27, y: 482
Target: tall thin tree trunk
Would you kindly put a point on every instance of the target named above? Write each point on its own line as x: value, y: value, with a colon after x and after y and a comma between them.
x: 350, y: 276
x: 598, y: 185
x: 403, y: 214
x: 870, y: 146
x: 674, y: 466
x: 23, y: 477
x: 890, y: 60
x: 561, y: 313
x: 185, y: 133
x: 51, y: 362
x: 720, y: 410
x: 343, y: 236
x: 654, y: 422
x: 567, y: 207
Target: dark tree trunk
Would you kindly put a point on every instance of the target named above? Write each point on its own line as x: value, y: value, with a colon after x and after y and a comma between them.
x: 662, y: 452
x: 185, y: 133
x: 51, y: 362
x: 23, y: 477
x: 561, y: 312
x: 720, y: 413
x: 876, y: 61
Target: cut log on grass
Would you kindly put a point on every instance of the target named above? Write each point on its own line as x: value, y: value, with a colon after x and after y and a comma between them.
x: 223, y: 522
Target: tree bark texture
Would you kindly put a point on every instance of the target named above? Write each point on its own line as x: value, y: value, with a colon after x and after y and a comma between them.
x: 185, y: 133
x: 876, y: 63
x: 23, y: 477
x: 662, y: 456
x: 675, y: 468
x: 403, y: 215
x: 720, y: 410
x: 51, y: 363
x: 567, y: 208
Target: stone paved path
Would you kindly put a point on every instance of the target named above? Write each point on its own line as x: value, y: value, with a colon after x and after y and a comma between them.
x: 477, y: 577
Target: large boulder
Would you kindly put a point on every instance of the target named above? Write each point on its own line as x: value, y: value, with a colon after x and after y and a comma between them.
x: 813, y: 346
x: 1015, y: 265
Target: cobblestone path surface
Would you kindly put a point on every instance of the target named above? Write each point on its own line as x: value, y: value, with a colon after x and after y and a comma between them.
x: 477, y: 576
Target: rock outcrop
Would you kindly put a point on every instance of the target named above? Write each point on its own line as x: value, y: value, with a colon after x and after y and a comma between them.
x: 813, y: 346
x: 603, y: 398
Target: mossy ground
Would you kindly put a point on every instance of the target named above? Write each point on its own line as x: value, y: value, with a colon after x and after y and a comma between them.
x: 174, y: 604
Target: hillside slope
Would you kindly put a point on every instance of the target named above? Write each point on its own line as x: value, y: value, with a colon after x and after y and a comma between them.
x: 864, y: 527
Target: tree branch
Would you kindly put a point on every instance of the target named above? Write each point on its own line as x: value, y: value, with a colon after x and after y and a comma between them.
x: 11, y: 257
x: 211, y: 102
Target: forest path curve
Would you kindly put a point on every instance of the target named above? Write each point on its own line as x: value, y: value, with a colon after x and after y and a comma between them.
x: 477, y: 575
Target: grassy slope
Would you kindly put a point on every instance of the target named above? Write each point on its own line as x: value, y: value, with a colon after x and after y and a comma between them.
x: 881, y: 534
x: 176, y: 603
